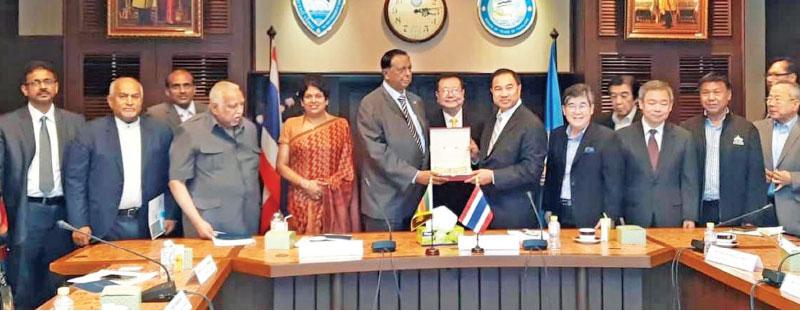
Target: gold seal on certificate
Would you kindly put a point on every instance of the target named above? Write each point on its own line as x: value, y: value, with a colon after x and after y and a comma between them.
x: 450, y: 152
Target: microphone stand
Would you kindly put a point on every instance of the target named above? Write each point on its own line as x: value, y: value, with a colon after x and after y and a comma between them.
x: 160, y: 293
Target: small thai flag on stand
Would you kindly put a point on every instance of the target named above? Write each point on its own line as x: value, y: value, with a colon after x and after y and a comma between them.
x: 477, y: 215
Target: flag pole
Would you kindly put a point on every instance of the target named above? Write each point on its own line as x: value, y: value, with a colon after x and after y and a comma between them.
x: 432, y: 250
x: 477, y: 250
x: 271, y: 34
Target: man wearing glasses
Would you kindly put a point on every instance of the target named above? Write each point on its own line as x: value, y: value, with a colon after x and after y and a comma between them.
x: 450, y: 98
x: 32, y: 143
x: 780, y: 143
x: 781, y: 69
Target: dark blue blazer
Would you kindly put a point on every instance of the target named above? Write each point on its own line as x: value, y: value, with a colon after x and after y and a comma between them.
x: 94, y: 177
x: 596, y: 175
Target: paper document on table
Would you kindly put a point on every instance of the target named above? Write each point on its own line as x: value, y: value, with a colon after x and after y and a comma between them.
x: 762, y: 231
x: 116, y: 276
x: 155, y: 216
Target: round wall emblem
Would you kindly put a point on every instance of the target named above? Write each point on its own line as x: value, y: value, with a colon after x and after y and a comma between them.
x: 507, y: 18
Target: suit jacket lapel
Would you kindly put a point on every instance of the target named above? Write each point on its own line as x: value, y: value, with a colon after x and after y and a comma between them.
x: 794, y: 133
x: 667, y: 147
x: 29, y: 143
x: 112, y: 139
x: 173, y: 116
x: 147, y: 138
x: 641, y: 145
x: 510, y: 125
x: 587, y: 137
x: 766, y: 145
x: 61, y: 130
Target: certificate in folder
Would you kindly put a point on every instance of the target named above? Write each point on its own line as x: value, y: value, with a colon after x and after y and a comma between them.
x: 450, y: 152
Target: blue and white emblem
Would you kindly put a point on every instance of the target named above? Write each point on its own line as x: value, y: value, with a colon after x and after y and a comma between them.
x: 318, y: 16
x: 507, y: 18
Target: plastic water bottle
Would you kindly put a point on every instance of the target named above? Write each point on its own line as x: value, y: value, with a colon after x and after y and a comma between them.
x: 167, y: 256
x: 63, y: 302
x: 554, y: 230
x: 709, y: 237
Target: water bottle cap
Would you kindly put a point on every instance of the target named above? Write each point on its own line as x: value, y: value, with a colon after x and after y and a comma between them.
x: 63, y: 291
x: 709, y: 225
x: 553, y: 218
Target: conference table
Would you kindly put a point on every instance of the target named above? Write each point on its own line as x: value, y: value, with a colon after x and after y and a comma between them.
x: 577, y: 276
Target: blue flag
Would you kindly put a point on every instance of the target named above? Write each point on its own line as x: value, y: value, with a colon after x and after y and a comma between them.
x: 552, y: 109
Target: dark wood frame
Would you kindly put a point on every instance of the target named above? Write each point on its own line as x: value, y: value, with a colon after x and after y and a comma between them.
x: 117, y: 30
x: 407, y: 39
x: 638, y: 30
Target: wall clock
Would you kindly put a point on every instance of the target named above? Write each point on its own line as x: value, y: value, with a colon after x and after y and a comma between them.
x: 415, y: 20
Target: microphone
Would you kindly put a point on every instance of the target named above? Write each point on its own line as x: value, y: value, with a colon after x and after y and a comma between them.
x: 160, y: 293
x: 699, y: 245
x: 775, y: 277
x: 384, y: 246
x: 732, y: 220
x: 540, y: 243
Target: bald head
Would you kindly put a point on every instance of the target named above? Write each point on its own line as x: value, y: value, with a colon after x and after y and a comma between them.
x: 125, y: 98
x: 226, y: 103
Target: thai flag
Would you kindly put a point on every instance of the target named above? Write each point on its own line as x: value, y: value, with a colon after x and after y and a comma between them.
x: 477, y: 215
x: 268, y: 117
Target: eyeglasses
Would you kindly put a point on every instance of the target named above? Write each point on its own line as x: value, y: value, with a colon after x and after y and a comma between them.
x: 452, y: 91
x: 779, y: 99
x: 45, y: 83
x: 775, y: 75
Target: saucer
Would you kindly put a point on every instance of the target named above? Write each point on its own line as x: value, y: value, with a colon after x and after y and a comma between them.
x: 595, y: 241
x: 728, y: 245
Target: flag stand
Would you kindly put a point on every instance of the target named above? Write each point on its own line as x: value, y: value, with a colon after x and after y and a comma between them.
x: 432, y: 250
x: 477, y: 250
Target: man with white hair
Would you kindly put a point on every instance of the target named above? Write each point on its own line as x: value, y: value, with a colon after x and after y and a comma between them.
x: 214, y: 167
x: 115, y: 166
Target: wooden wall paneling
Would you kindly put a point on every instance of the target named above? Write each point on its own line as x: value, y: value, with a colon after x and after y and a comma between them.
x: 607, y: 25
x: 216, y: 16
x: 92, y: 15
x: 721, y: 24
x: 614, y: 64
x: 692, y: 68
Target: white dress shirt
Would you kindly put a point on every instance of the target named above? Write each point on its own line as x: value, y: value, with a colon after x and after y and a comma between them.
x: 185, y: 114
x: 459, y: 117
x: 659, y: 133
x: 625, y: 121
x: 500, y: 123
x: 130, y: 142
x: 573, y: 142
x: 33, y: 170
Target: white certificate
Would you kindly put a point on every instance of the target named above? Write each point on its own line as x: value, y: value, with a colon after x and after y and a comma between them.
x: 450, y: 151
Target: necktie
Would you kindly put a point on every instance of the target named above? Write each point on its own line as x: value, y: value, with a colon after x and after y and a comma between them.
x: 652, y: 149
x: 495, y: 133
x: 46, y: 182
x: 453, y: 122
x: 409, y: 123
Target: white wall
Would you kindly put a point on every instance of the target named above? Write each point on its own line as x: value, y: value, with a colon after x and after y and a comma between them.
x: 40, y: 18
x: 360, y: 37
x: 755, y: 54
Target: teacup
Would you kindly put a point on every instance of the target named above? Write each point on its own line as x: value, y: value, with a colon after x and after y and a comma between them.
x: 586, y: 234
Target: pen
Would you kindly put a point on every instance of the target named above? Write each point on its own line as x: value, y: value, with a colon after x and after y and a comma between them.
x: 218, y: 233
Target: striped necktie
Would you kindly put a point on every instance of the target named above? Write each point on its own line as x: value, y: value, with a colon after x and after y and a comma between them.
x: 404, y: 107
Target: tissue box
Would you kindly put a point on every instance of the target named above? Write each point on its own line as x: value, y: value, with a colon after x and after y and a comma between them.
x: 631, y: 235
x: 279, y: 239
x: 128, y: 296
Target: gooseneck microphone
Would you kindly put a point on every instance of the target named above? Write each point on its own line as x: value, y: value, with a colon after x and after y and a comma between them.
x: 160, y: 293
x: 540, y: 243
x: 734, y: 219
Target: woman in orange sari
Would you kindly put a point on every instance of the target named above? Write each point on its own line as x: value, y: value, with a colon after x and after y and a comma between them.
x: 315, y: 154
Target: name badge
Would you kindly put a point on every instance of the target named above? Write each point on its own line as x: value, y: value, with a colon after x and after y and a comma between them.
x: 205, y: 269
x: 733, y: 258
x: 179, y: 303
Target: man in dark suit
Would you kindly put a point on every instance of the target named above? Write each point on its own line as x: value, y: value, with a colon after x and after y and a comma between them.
x: 731, y: 165
x: 32, y: 144
x: 392, y: 134
x: 180, y: 90
x: 452, y: 114
x: 660, y: 165
x: 623, y: 91
x: 180, y: 107
x: 115, y: 167
x: 584, y: 166
x: 511, y: 156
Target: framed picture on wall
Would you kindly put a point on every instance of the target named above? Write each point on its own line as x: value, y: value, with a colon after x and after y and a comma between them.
x: 666, y: 19
x: 155, y: 18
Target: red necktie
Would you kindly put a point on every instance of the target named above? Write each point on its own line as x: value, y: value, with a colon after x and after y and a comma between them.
x: 652, y: 149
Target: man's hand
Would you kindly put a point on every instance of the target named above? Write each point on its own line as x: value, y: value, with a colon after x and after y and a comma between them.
x: 779, y: 178
x: 82, y: 240
x: 204, y: 229
x: 427, y: 176
x: 481, y: 177
x: 169, y: 225
x: 688, y: 224
x: 473, y: 150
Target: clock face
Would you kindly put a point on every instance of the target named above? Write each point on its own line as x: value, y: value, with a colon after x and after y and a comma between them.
x: 415, y: 20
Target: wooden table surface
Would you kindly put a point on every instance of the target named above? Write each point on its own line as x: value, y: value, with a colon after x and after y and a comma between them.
x: 85, y: 300
x: 663, y: 244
